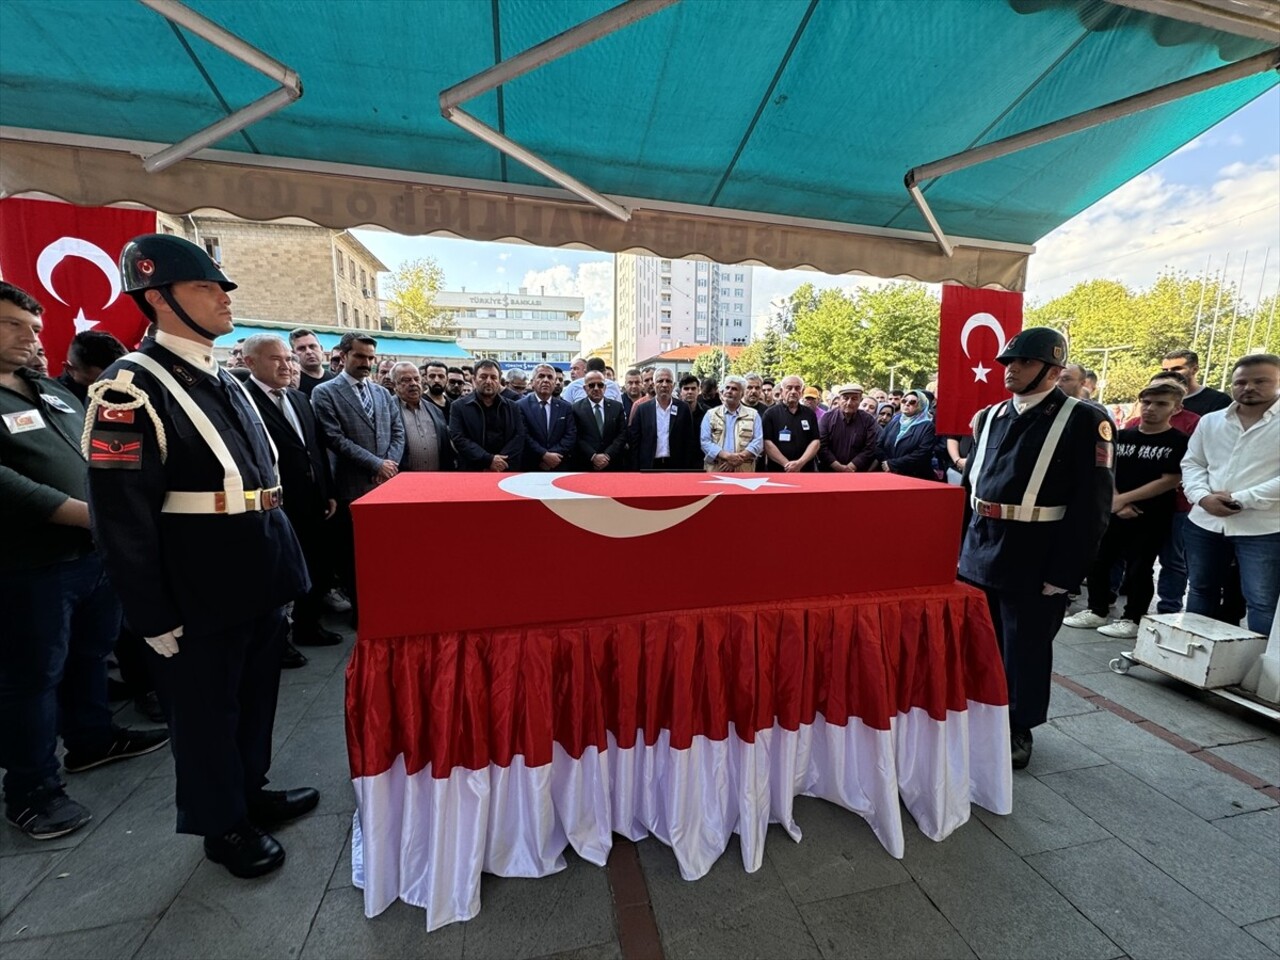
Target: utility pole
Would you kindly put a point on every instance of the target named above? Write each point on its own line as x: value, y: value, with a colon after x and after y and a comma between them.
x: 1235, y: 315
x: 1213, y: 329
x: 892, y: 373
x: 1204, y: 284
x: 1257, y: 308
x: 1106, y: 361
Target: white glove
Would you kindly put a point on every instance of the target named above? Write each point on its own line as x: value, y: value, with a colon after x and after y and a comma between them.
x: 1050, y: 590
x: 167, y: 643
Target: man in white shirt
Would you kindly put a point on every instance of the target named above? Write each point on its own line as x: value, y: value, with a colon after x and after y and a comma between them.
x: 1231, y: 476
x: 577, y: 388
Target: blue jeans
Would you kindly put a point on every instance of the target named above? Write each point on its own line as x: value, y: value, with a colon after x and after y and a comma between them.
x: 1172, y: 584
x: 60, y: 623
x: 1209, y: 558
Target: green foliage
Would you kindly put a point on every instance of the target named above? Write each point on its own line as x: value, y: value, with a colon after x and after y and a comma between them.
x: 711, y: 363
x: 764, y: 356
x: 412, y: 291
x: 1178, y: 311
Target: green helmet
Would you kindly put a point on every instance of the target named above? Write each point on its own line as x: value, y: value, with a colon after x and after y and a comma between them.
x: 1036, y: 343
x: 159, y: 259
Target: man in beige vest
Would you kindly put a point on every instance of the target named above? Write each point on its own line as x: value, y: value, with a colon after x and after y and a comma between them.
x: 731, y: 437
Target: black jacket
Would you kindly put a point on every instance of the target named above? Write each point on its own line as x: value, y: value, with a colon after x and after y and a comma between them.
x: 590, y: 441
x: 1020, y: 555
x: 304, y: 463
x: 204, y: 572
x: 466, y: 430
x: 642, y: 436
x: 910, y: 455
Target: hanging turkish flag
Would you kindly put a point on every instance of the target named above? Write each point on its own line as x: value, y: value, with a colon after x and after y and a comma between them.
x: 66, y: 257
x: 976, y: 325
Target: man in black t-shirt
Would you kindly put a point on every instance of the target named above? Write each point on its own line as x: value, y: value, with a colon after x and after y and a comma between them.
x: 1199, y: 399
x: 791, y: 441
x: 1148, y: 469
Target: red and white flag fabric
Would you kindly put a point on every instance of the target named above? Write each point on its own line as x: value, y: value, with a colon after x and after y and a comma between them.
x: 67, y: 258
x: 975, y: 326
x: 492, y: 751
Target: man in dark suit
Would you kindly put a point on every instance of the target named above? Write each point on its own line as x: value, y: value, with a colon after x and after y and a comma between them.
x: 304, y: 475
x: 551, y: 430
x: 487, y: 431
x: 363, y: 428
x: 602, y: 428
x: 661, y: 434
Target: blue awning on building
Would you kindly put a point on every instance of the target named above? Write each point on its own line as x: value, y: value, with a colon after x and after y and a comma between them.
x: 388, y: 345
x: 742, y: 130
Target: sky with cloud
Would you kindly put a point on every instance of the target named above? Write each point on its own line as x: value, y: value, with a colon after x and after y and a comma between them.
x: 1215, y: 203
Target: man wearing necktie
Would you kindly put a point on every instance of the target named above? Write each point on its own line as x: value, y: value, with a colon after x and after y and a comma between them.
x: 304, y: 475
x: 184, y: 493
x: 602, y: 427
x: 361, y: 426
x: 551, y: 431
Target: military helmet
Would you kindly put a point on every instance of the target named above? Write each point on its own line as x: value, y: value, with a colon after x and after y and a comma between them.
x: 159, y: 259
x: 1036, y: 343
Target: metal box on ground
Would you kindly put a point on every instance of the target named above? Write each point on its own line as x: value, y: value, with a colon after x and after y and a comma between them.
x: 1202, y: 652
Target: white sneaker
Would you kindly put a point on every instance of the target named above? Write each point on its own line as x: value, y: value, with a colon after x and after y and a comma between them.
x: 1084, y: 620
x: 1120, y: 629
x: 336, y: 602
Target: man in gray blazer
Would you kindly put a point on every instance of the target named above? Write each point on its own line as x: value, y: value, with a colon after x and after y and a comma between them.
x: 363, y: 430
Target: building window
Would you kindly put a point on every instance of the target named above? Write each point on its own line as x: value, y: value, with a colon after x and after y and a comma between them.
x: 341, y: 262
x: 737, y: 323
x: 737, y: 291
x: 666, y: 283
x: 666, y: 266
x: 213, y: 249
x: 666, y: 298
x: 365, y: 286
x: 737, y: 308
x: 737, y: 278
x: 702, y: 298
x: 344, y: 313
x: 351, y: 262
x: 702, y: 281
x: 355, y: 311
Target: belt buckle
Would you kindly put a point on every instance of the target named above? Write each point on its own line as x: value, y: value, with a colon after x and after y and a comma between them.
x: 220, y: 502
x: 989, y: 510
x: 271, y: 498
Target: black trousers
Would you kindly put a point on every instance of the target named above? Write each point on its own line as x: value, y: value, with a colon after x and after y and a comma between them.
x: 343, y: 544
x: 1136, y: 542
x: 315, y: 538
x: 1026, y: 624
x: 219, y: 692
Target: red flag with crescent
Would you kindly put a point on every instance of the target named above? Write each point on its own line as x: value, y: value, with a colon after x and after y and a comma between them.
x: 975, y: 326
x: 67, y: 258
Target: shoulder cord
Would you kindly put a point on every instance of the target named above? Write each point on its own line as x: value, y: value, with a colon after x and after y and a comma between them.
x: 122, y: 383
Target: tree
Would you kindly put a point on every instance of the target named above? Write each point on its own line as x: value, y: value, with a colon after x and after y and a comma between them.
x: 413, y: 288
x: 764, y: 355
x: 711, y: 363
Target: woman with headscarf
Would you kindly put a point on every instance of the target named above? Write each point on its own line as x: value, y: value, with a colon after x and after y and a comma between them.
x: 907, y: 445
x: 884, y: 413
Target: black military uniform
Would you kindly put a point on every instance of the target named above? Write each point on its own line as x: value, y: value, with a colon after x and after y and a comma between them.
x: 1017, y: 543
x: 186, y: 548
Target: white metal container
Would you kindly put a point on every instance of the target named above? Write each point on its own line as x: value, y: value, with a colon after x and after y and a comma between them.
x: 1202, y: 652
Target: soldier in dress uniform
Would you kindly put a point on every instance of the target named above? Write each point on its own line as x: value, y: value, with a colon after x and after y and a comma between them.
x: 184, y: 493
x: 1040, y: 480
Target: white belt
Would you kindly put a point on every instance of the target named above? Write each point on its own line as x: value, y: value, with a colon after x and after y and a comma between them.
x: 182, y: 501
x: 1010, y: 511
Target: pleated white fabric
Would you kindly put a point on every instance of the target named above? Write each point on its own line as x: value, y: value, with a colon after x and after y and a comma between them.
x: 426, y: 840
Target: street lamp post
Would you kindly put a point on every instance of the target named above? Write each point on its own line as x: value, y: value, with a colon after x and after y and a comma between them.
x: 1106, y: 360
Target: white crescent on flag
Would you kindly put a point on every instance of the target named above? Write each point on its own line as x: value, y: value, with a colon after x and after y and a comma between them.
x: 975, y: 322
x: 64, y: 247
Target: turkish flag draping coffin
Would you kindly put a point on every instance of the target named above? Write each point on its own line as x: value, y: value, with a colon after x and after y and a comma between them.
x: 67, y: 258
x: 472, y: 551
x: 975, y: 326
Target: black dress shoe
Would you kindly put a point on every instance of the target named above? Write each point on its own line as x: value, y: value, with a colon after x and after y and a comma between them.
x: 270, y: 807
x: 149, y: 706
x: 292, y: 658
x: 245, y: 851
x: 319, y: 637
x: 1020, y: 748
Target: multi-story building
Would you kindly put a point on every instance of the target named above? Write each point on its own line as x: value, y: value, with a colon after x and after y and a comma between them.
x: 294, y: 274
x: 664, y: 304
x: 516, y: 329
x: 290, y: 271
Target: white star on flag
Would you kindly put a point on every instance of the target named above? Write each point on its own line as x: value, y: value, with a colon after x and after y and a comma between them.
x: 980, y: 372
x: 754, y: 483
x: 82, y: 322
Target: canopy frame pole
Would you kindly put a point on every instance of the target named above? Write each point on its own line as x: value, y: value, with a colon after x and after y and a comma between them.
x: 290, y: 88
x: 575, y: 38
x: 1188, y: 86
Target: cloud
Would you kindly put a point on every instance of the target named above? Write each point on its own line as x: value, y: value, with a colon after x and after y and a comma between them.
x: 1150, y: 224
x: 504, y: 256
x: 593, y: 281
x: 500, y: 270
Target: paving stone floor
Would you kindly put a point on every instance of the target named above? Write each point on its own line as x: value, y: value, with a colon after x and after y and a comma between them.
x: 1120, y: 845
